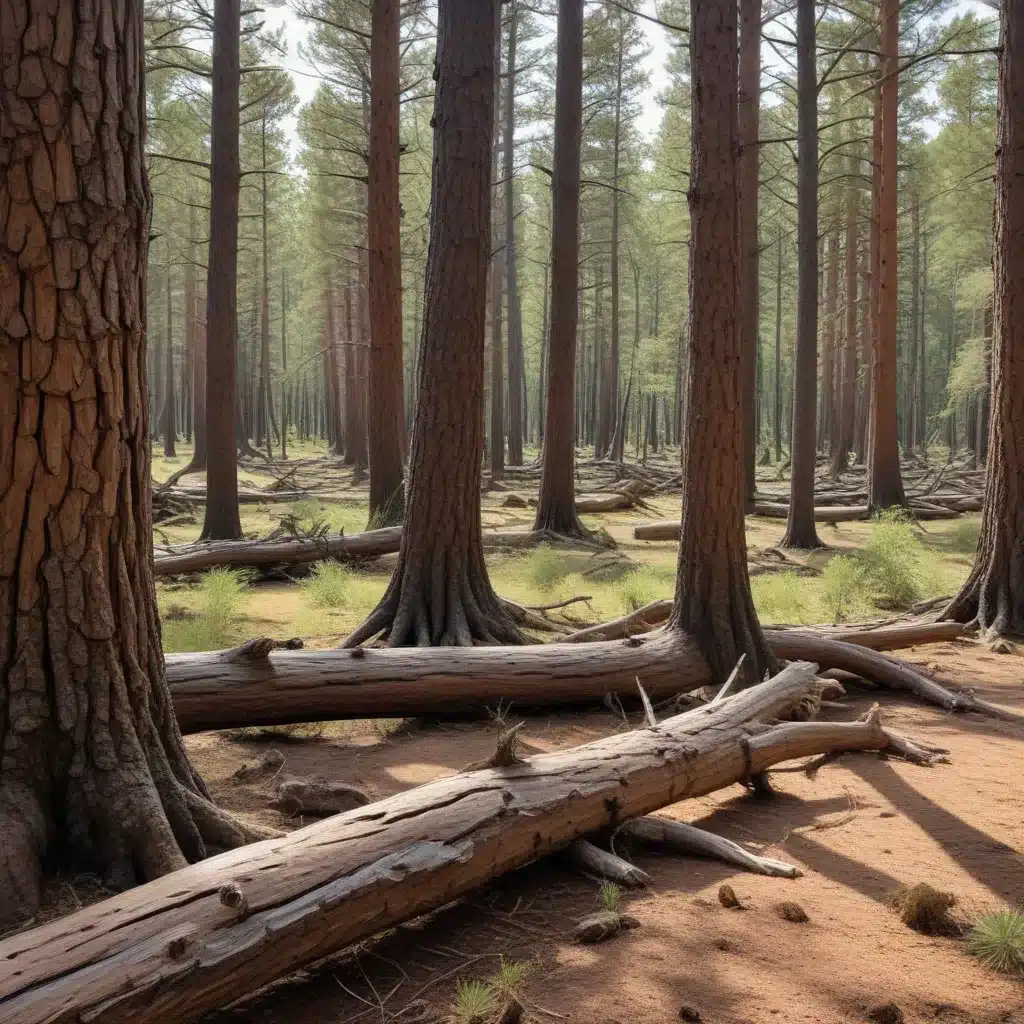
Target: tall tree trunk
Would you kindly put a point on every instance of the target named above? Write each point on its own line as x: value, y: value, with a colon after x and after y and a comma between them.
x: 170, y: 426
x: 556, y: 506
x: 440, y: 594
x: 386, y: 400
x: 911, y: 412
x: 713, y: 601
x: 885, y: 482
x: 800, y: 531
x: 542, y: 375
x: 848, y: 384
x: 950, y: 357
x: 266, y: 398
x: 285, y: 412
x: 93, y: 773
x: 750, y: 167
x: 778, y: 347
x: 922, y: 374
x: 611, y: 381
x: 832, y: 368
x: 355, y: 384
x: 515, y: 336
x: 222, y: 521
x: 187, y: 388
x: 497, y: 282
x: 993, y: 595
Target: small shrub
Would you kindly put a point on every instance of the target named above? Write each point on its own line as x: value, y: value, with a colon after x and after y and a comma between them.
x: 926, y: 909
x: 639, y: 587
x: 781, y: 597
x: 510, y: 976
x: 611, y: 897
x: 894, y: 559
x: 997, y: 940
x: 475, y: 1002
x: 328, y: 585
x: 843, y: 584
x: 216, y: 605
x: 544, y: 567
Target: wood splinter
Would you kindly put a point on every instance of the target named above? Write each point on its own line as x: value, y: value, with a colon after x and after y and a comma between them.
x: 596, y: 861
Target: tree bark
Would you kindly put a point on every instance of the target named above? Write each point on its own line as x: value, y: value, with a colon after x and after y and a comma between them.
x: 93, y: 773
x: 556, y: 506
x: 515, y: 328
x: 832, y: 368
x: 750, y: 169
x: 910, y: 411
x: 440, y: 594
x: 611, y: 381
x: 266, y: 396
x: 800, y: 531
x: 222, y: 521
x: 170, y: 425
x: 386, y: 432
x: 778, y: 348
x: 848, y: 369
x: 169, y: 952
x: 713, y: 601
x: 885, y: 482
x: 285, y: 387
x: 994, y: 592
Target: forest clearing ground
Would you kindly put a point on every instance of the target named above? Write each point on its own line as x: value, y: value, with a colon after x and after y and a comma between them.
x: 859, y: 830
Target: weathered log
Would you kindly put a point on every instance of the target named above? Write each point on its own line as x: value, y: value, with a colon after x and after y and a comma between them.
x: 640, y: 621
x: 861, y: 661
x: 682, y: 838
x: 172, y: 560
x: 584, y: 854
x: 222, y: 689
x: 199, y: 938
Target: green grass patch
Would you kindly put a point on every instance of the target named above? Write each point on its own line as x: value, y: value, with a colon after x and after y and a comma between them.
x: 843, y: 589
x: 900, y: 569
x: 785, y: 597
x: 642, y: 586
x: 209, y: 618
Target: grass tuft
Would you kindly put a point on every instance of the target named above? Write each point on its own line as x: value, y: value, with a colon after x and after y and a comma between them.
x: 328, y: 585
x: 611, y: 897
x: 782, y: 597
x: 896, y: 562
x: 843, y: 589
x: 997, y: 940
x: 475, y: 1002
x: 215, y: 604
x: 544, y: 567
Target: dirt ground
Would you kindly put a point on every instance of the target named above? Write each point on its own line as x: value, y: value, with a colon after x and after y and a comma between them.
x: 861, y: 828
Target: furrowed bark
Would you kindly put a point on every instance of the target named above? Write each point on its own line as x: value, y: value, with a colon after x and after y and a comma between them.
x: 202, y: 937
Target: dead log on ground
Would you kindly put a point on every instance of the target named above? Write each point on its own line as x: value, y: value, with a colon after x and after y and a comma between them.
x: 199, y: 938
x: 258, y: 686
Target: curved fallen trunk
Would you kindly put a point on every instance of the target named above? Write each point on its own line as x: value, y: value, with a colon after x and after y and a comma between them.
x: 869, y: 664
x: 256, y: 685
x: 197, y: 939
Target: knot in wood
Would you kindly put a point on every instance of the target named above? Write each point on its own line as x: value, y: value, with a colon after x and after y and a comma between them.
x: 231, y: 895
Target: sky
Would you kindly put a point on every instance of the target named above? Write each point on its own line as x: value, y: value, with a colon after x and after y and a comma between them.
x: 659, y: 39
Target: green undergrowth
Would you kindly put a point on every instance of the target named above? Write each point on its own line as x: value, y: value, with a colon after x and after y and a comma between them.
x: 206, y: 615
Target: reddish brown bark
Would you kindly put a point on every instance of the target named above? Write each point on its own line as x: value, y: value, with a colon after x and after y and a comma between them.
x: 750, y: 166
x: 170, y: 422
x: 994, y: 593
x: 93, y: 773
x: 386, y: 429
x: 222, y: 521
x: 800, y: 530
x: 885, y: 482
x: 713, y: 601
x: 847, y: 389
x: 515, y: 326
x: 556, y: 507
x: 440, y: 594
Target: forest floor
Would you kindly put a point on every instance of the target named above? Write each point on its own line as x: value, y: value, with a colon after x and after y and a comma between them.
x: 861, y: 828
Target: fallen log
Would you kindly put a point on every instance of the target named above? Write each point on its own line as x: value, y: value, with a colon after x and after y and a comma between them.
x: 200, y: 938
x: 258, y: 686
x: 640, y: 621
x: 888, y: 672
x: 173, y: 560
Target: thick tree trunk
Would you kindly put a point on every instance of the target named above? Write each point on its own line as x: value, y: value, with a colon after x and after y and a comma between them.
x: 994, y: 593
x: 848, y: 368
x: 556, y: 506
x: 386, y: 433
x: 440, y: 594
x: 885, y: 482
x: 800, y: 531
x: 167, y: 953
x: 222, y: 522
x: 713, y: 601
x: 93, y: 773
x: 750, y: 167
x: 170, y: 424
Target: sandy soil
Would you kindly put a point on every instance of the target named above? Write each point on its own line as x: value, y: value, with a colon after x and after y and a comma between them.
x: 864, y: 826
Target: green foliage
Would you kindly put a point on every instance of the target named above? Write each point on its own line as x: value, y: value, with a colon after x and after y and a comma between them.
x: 781, y: 597
x: 475, y: 1002
x: 895, y: 561
x: 510, y: 977
x: 997, y: 940
x: 209, y: 622
x: 328, y: 585
x: 611, y: 897
x: 967, y: 376
x: 964, y: 534
x: 843, y: 585
x: 544, y: 567
x: 642, y: 586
